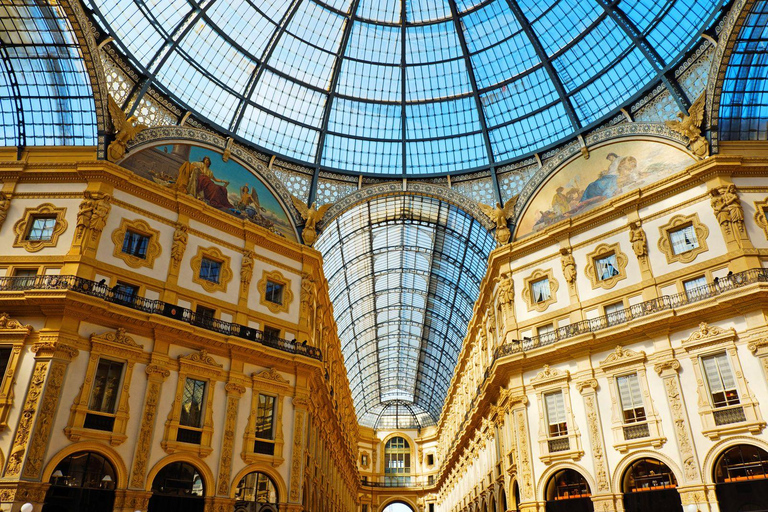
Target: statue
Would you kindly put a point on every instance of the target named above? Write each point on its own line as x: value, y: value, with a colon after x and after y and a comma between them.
x: 84, y: 215
x: 5, y: 203
x: 125, y: 130
x: 569, y: 265
x: 500, y: 216
x: 718, y: 206
x: 733, y: 206
x: 638, y: 240
x: 690, y: 126
x: 180, y: 238
x: 100, y: 212
x: 311, y: 216
x: 246, y: 269
x: 306, y: 299
x: 506, y: 290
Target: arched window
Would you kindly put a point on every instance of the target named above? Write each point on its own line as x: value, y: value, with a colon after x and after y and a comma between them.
x: 397, y: 462
x: 257, y: 488
x: 177, y: 487
x: 741, y: 478
x: 568, y: 491
x: 649, y: 484
x: 82, y: 481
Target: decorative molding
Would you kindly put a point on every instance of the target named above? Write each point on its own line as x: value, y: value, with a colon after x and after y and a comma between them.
x: 225, y: 273
x: 527, y: 293
x: 142, y: 228
x: 682, y: 431
x: 604, y: 251
x: 679, y: 222
x: 761, y: 207
x: 46, y: 416
x: 272, y: 376
x: 276, y: 277
x: 549, y: 375
x: 23, y: 225
x: 708, y: 335
x: 228, y: 441
x: 18, y: 450
x: 156, y: 374
x: 621, y: 357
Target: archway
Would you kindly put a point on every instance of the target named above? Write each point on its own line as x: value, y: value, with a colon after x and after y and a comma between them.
x: 649, y: 484
x: 81, y: 481
x: 177, y: 487
x: 568, y: 491
x: 398, y: 506
x: 256, y: 492
x: 741, y: 478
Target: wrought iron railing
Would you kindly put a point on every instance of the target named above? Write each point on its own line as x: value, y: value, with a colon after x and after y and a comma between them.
x: 399, y: 481
x: 123, y: 298
x: 729, y: 415
x: 663, y: 303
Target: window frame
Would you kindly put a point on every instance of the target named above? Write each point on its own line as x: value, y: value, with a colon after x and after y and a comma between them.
x: 528, y: 296
x: 266, y: 382
x: 142, y: 228
x: 592, y: 269
x: 23, y: 226
x: 275, y: 277
x: 548, y: 381
x: 676, y: 222
x: 225, y: 270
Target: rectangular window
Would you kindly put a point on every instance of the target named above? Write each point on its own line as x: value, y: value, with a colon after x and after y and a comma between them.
x: 271, y: 333
x: 631, y: 398
x: 615, y: 313
x: 210, y: 270
x: 546, y: 333
x: 695, y: 288
x: 555, y: 406
x: 25, y: 278
x: 540, y: 290
x: 430, y: 460
x: 274, y: 292
x: 606, y: 267
x: 125, y: 292
x: 135, y: 244
x: 683, y: 239
x: 106, y: 386
x: 5, y: 356
x: 192, y: 403
x: 722, y: 385
x: 265, y: 416
x: 41, y: 229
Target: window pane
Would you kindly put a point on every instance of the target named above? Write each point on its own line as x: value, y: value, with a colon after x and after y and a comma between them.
x: 209, y: 270
x: 135, y: 244
x: 106, y: 386
x: 265, y: 417
x: 695, y: 287
x: 274, y: 292
x: 720, y: 379
x: 683, y: 240
x: 41, y: 229
x: 540, y: 290
x: 192, y: 403
x: 606, y: 267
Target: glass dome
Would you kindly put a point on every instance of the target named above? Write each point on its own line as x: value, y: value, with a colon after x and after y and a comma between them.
x: 410, y: 87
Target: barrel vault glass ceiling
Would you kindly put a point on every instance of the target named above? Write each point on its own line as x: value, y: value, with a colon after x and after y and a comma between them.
x: 409, y: 87
x: 403, y: 274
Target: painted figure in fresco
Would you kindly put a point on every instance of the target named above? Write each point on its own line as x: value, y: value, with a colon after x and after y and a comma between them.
x: 197, y: 180
x: 606, y: 184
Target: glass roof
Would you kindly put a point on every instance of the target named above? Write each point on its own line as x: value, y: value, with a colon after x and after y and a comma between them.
x: 403, y: 274
x: 404, y: 87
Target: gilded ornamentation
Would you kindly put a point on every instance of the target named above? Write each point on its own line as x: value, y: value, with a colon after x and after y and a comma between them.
x: 595, y: 438
x: 126, y: 129
x: 23, y: 431
x: 621, y: 356
x: 101, y: 208
x: 681, y: 429
x: 5, y: 204
x: 23, y: 226
x: 298, y: 434
x: 8, y: 323
x: 201, y: 357
x: 140, y: 227
x: 144, y: 440
x: 271, y: 374
x: 301, y: 402
x: 669, y: 365
x: 307, y: 299
x: 246, y: 269
x: 549, y: 374
x: 46, y: 416
x: 277, y: 278
x: 311, y: 216
x: 679, y: 222
x: 84, y: 215
x: 525, y: 462
x: 179, y: 245
x: 690, y: 126
x: 506, y: 290
x: 500, y: 216
x: 761, y: 208
x: 49, y: 348
x: 539, y: 303
x: 638, y: 240
x: 568, y: 264
x: 228, y: 443
x: 119, y: 336
x: 708, y: 331
x: 154, y: 369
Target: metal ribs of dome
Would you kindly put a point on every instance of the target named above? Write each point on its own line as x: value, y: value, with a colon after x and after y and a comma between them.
x: 405, y: 88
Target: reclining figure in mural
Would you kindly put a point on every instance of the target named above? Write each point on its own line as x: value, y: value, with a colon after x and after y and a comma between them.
x: 197, y: 180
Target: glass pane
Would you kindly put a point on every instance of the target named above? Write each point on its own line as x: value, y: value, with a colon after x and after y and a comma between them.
x: 683, y: 239
x: 209, y: 270
x: 42, y: 228
x: 265, y: 417
x: 606, y: 267
x: 106, y: 386
x: 192, y: 403
x: 540, y: 290
x: 135, y: 244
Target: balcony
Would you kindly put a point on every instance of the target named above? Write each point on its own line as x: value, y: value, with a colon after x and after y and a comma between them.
x: 155, y: 307
x: 410, y: 482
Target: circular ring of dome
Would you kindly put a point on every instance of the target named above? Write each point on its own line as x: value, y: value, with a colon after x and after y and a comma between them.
x: 404, y: 88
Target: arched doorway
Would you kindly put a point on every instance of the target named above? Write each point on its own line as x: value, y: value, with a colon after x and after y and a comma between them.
x: 741, y: 479
x: 503, y: 499
x: 397, y: 462
x: 649, y: 484
x: 178, y: 487
x: 256, y: 492
x: 82, y: 481
x: 568, y: 491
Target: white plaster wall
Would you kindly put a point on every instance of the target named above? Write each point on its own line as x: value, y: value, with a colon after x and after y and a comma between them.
x: 186, y: 273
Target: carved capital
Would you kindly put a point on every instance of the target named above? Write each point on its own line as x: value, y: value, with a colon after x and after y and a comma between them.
x: 667, y: 367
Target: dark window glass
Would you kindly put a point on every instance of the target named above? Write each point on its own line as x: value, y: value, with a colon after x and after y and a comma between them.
x: 125, y: 292
x: 41, y: 229
x: 106, y: 386
x: 192, y: 403
x: 567, y: 484
x: 742, y: 462
x: 5, y: 356
x: 256, y: 488
x: 271, y: 333
x: 265, y: 415
x: 648, y: 474
x: 179, y: 479
x: 210, y: 270
x: 135, y: 244
x: 84, y: 470
x: 274, y: 292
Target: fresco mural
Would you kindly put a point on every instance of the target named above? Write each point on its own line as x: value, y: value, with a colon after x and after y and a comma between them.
x: 201, y: 173
x: 610, y: 171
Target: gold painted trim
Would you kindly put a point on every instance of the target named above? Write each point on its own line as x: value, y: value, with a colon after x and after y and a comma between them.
x: 22, y: 226
x: 275, y: 277
x: 535, y: 276
x: 143, y: 228
x: 603, y: 251
x: 761, y: 207
x: 225, y: 275
x: 677, y: 222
